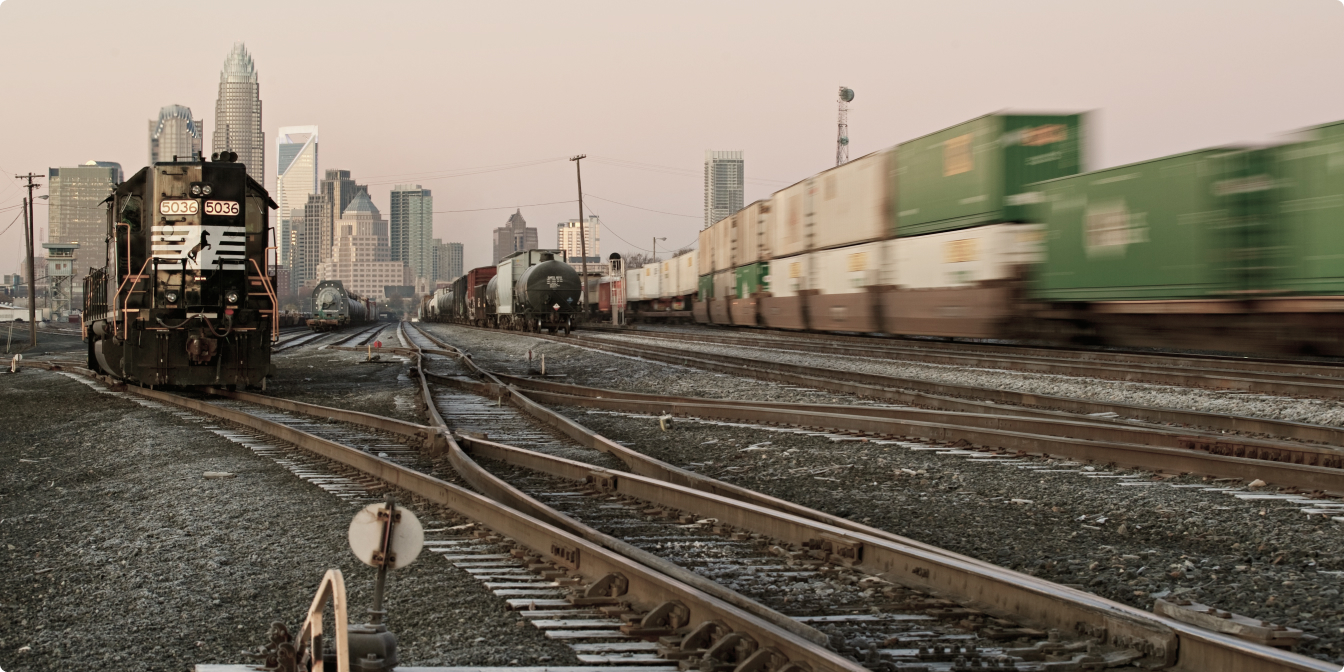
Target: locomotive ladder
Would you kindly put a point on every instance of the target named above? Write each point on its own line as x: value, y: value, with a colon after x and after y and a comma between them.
x: 265, y: 282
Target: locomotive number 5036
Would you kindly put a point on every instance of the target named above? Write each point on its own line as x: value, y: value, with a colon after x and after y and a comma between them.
x: 227, y: 208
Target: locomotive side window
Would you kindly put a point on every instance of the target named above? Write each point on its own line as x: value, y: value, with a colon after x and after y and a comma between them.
x: 130, y: 212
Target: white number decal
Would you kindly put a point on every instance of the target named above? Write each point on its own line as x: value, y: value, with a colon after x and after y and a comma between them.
x: 227, y: 208
x: 177, y: 207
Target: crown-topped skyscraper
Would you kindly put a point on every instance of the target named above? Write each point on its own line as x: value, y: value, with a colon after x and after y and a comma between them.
x: 238, y: 113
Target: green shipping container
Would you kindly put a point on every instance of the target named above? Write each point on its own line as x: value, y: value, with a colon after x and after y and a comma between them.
x: 1311, y: 212
x: 978, y: 172
x: 706, y: 287
x: 1189, y: 226
x: 751, y: 279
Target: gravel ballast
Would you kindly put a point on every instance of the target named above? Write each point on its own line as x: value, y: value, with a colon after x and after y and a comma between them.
x: 116, y: 552
x: 1261, y: 558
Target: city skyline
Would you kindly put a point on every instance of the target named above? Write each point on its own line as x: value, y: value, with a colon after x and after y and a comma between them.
x: 770, y: 94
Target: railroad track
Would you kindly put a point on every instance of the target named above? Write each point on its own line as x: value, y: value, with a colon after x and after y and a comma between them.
x: 1305, y: 369
x: 964, y: 398
x: 306, y: 338
x: 608, y: 601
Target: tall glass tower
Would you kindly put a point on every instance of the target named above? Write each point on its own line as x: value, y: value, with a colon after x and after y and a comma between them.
x: 412, y: 228
x: 723, y: 185
x: 238, y: 113
x: 295, y: 179
x: 175, y: 133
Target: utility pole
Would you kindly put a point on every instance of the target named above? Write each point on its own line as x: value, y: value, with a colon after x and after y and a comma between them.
x: 28, y: 239
x: 583, y: 237
x: 655, y: 248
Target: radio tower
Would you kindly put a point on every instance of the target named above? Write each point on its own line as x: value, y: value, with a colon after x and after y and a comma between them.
x: 842, y: 135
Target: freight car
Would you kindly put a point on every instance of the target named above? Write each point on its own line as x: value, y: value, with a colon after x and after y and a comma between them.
x: 335, y: 307
x: 530, y: 290
x: 184, y: 299
x: 990, y: 230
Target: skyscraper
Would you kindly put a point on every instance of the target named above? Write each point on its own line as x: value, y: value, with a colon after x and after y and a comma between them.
x: 339, y: 190
x: 295, y: 180
x: 412, y: 228
x: 449, y: 261
x: 238, y: 113
x: 76, y: 213
x: 567, y: 238
x: 175, y: 134
x: 723, y: 185
x: 306, y: 228
x: 514, y: 236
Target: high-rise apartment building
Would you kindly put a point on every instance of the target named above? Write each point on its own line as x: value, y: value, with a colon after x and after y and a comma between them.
x: 175, y: 134
x: 362, y: 257
x: 411, y: 227
x: 723, y: 185
x: 449, y: 258
x: 568, y: 239
x: 238, y: 113
x: 514, y: 236
x: 76, y: 213
x: 306, y: 227
x: 295, y: 180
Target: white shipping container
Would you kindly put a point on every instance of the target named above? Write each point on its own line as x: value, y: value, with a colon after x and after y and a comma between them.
x: 788, y: 232
x: 668, y: 277
x: 765, y: 216
x: 687, y: 279
x: 508, y: 271
x: 632, y: 284
x: 649, y: 281
x: 705, y: 265
x: 746, y: 246
x: 788, y: 276
x: 722, y: 242
x: 851, y: 203
x: 967, y: 256
x: 846, y: 270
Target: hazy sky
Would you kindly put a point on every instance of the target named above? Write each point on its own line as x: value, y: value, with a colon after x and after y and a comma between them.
x: 434, y: 92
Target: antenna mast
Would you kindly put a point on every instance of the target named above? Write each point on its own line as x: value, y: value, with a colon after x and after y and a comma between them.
x: 842, y: 134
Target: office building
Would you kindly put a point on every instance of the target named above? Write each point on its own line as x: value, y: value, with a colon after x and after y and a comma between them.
x: 567, y: 238
x: 514, y: 236
x: 175, y: 136
x: 362, y: 256
x: 238, y: 113
x: 339, y: 191
x: 449, y: 261
x: 723, y: 185
x: 76, y: 213
x: 411, y: 228
x: 306, y: 228
x: 295, y: 181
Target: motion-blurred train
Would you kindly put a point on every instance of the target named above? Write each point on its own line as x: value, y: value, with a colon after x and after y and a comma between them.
x: 990, y: 230
x: 334, y: 306
x: 184, y: 298
x: 532, y: 290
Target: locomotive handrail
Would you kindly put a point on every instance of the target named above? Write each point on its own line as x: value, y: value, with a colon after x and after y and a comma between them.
x: 126, y: 321
x: 275, y: 301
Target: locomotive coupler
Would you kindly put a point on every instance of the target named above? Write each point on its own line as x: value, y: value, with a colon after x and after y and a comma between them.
x: 201, y: 349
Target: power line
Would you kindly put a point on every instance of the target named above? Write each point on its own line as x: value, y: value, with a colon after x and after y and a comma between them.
x: 448, y: 174
x: 661, y: 212
x: 506, y: 207
x: 613, y: 232
x: 625, y: 163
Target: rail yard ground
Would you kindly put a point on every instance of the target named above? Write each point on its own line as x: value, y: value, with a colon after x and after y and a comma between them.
x: 115, y: 549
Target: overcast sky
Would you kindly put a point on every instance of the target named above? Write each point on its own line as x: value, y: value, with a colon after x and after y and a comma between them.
x: 433, y: 92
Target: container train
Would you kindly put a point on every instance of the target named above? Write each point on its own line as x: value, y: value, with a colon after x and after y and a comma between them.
x: 532, y: 290
x: 991, y: 229
x: 334, y: 306
x: 184, y: 298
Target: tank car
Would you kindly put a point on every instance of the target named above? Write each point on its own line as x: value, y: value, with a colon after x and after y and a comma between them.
x: 184, y: 298
x: 334, y: 306
x: 547, y: 295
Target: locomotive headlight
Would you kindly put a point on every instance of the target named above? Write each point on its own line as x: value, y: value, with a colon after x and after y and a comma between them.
x: 195, y: 190
x: 170, y: 296
x: 231, y: 296
x: 206, y: 189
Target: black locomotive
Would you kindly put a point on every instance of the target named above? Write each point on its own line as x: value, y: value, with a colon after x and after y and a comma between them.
x: 185, y: 298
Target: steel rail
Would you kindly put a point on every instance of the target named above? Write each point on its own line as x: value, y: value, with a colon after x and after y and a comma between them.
x: 1332, y: 369
x: 948, y: 396
x: 1284, y: 384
